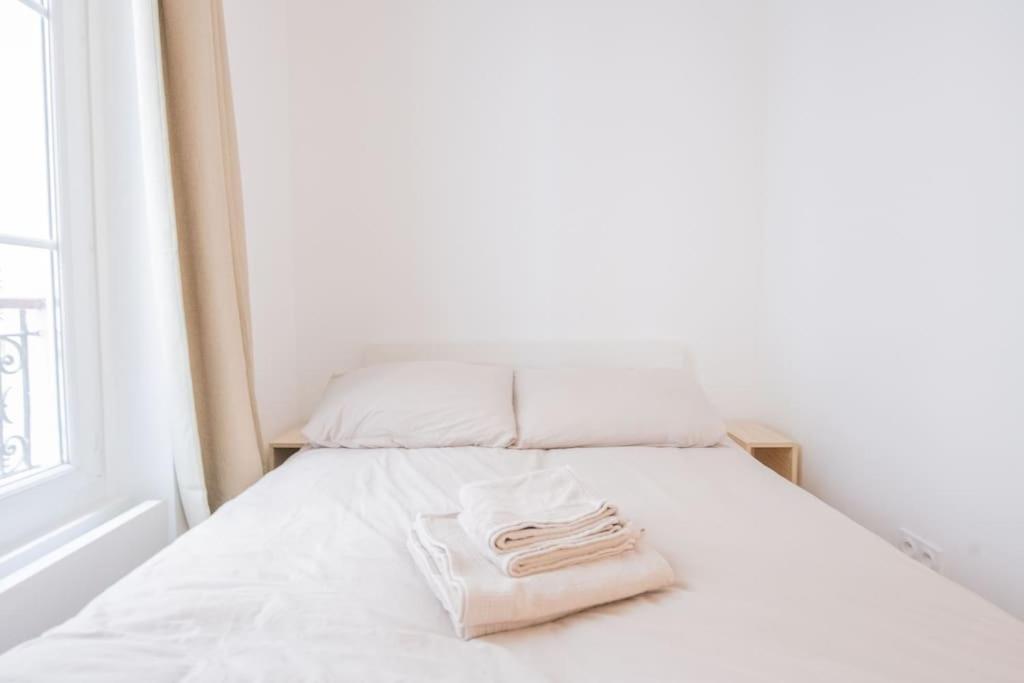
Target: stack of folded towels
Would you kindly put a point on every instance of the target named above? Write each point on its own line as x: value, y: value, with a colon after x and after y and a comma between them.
x: 529, y: 549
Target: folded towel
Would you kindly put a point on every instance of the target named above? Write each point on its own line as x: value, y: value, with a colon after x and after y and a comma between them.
x: 536, y: 507
x: 608, y: 536
x: 480, y: 599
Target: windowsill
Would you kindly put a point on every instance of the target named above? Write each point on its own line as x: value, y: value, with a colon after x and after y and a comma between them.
x: 27, y: 480
x: 31, y: 551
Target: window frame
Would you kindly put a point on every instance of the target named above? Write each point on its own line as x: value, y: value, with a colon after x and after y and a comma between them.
x: 57, y: 495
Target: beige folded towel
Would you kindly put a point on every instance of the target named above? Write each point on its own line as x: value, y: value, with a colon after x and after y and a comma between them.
x: 536, y: 507
x: 480, y: 599
x: 609, y: 536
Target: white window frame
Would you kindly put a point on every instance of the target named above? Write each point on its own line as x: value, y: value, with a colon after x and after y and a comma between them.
x: 36, y: 505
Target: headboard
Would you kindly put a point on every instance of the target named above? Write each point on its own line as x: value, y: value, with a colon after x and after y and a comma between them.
x: 623, y: 354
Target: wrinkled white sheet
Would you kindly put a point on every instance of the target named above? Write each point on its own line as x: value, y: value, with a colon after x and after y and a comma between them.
x: 306, y: 577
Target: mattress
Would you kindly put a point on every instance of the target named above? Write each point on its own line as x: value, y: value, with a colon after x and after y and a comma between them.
x: 306, y: 577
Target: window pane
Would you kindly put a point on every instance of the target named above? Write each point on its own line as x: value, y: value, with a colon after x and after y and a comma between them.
x: 29, y: 374
x: 24, y: 185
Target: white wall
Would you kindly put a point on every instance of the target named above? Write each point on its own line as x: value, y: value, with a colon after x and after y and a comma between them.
x: 823, y: 198
x: 894, y: 293
x: 494, y: 171
x: 257, y: 34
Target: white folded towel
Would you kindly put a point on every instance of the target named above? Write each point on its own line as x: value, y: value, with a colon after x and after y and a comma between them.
x: 480, y: 599
x: 536, y: 507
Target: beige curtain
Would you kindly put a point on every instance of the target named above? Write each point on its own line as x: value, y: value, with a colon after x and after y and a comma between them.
x: 211, y: 235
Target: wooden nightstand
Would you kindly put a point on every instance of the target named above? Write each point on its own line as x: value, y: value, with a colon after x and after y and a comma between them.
x: 773, y: 450
x: 286, y: 444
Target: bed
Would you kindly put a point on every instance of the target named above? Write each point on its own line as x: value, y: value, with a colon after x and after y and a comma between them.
x: 306, y: 576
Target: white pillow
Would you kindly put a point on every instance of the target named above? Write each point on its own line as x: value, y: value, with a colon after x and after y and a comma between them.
x: 416, y: 405
x: 569, y: 407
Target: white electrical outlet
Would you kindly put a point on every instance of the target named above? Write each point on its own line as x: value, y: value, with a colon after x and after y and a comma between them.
x: 915, y: 547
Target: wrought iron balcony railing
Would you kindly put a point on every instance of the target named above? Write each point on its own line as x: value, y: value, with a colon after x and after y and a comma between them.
x: 15, y: 385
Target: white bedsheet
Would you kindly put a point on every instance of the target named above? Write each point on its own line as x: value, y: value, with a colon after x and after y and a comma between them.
x: 306, y: 577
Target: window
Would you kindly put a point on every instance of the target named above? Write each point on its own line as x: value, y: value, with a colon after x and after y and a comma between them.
x: 32, y: 414
x: 50, y: 464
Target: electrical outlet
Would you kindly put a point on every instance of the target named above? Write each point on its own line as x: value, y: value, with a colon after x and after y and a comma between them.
x: 915, y: 547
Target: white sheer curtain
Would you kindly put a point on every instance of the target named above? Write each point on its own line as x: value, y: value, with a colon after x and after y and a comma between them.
x: 152, y: 441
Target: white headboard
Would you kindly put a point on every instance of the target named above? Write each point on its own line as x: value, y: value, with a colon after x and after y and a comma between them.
x: 622, y: 354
